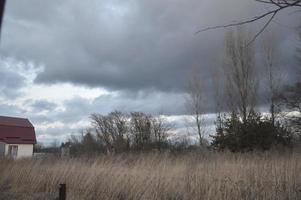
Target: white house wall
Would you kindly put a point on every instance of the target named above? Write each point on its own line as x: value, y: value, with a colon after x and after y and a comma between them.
x: 2, y: 149
x: 6, y: 149
x: 24, y: 150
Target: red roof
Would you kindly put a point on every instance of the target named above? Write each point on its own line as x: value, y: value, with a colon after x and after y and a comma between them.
x: 16, y: 131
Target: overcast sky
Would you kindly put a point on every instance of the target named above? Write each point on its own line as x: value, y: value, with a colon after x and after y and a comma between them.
x: 60, y: 61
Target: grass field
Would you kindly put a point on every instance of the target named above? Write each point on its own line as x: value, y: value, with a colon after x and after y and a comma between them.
x: 159, y: 176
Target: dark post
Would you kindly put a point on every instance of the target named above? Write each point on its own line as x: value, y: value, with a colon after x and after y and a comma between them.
x: 62, y: 192
x: 2, y: 6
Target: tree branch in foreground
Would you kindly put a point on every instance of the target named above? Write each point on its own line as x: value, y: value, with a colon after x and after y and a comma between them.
x: 281, y: 5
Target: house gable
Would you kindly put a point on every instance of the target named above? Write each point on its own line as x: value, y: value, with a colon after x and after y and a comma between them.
x: 16, y: 131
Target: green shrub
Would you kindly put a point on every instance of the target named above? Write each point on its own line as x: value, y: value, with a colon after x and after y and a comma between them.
x: 255, y: 133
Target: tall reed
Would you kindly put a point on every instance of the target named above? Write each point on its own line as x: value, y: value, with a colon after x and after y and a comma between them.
x: 160, y: 176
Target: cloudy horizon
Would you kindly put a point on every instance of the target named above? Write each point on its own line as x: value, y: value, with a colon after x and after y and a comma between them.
x: 60, y: 61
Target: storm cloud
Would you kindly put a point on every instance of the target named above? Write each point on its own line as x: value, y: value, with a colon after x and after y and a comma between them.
x: 118, y: 44
x: 114, y: 54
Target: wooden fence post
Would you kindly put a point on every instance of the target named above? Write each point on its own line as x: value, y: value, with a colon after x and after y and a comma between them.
x: 62, y: 192
x: 2, y: 7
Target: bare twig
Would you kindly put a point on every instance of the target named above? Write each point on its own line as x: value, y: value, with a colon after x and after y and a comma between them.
x: 281, y: 5
x: 262, y: 29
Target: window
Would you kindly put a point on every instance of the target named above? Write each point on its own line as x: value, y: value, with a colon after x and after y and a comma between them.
x: 13, y: 151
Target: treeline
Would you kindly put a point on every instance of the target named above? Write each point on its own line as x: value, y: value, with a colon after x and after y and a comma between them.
x: 242, y: 82
x: 119, y: 132
x: 238, y: 82
x: 244, y: 127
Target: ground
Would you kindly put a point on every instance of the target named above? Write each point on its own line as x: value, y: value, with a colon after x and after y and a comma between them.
x: 194, y: 175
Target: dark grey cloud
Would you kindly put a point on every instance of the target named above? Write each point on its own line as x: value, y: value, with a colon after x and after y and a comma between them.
x: 131, y: 45
x: 151, y: 102
x: 42, y: 105
x: 60, y: 123
x: 116, y: 44
x: 11, y: 110
x: 141, y: 50
x: 41, y: 118
x: 10, y: 81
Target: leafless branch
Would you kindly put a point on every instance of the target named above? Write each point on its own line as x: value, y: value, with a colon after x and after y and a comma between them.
x: 262, y: 29
x: 281, y: 5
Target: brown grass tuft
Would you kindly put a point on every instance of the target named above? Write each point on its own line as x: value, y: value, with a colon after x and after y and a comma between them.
x: 160, y: 176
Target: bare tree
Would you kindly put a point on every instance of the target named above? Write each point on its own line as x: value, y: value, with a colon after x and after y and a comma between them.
x: 111, y: 129
x: 298, y: 51
x: 292, y: 94
x: 195, y: 101
x: 218, y: 92
x: 140, y: 128
x: 241, y: 74
x: 278, y: 5
x: 119, y: 132
x: 89, y: 143
x: 272, y: 73
x: 160, y: 128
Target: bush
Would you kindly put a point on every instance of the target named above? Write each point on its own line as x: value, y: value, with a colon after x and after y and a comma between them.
x: 254, y: 134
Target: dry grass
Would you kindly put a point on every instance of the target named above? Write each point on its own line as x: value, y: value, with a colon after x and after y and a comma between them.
x: 161, y: 176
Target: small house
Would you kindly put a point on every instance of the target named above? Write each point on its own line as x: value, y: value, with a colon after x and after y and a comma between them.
x: 17, y: 137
